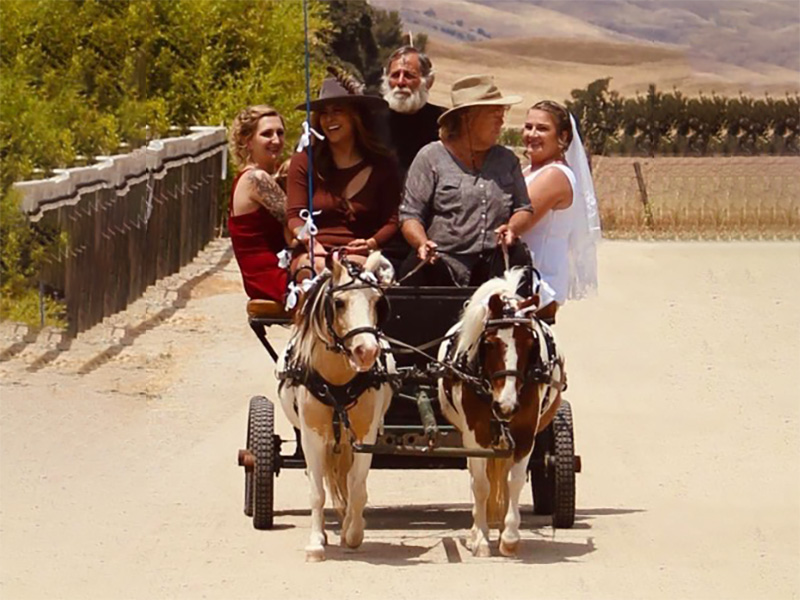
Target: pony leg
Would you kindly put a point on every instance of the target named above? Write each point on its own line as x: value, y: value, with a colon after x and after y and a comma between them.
x: 509, y: 538
x: 353, y: 525
x: 480, y: 492
x: 314, y: 448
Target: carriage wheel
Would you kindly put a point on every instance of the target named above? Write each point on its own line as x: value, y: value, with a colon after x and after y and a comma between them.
x: 542, y: 485
x: 564, y: 470
x: 262, y: 445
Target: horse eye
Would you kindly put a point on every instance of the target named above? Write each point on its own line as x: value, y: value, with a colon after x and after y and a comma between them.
x: 338, y: 304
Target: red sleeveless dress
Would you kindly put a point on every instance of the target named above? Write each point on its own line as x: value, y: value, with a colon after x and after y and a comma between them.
x: 257, y: 237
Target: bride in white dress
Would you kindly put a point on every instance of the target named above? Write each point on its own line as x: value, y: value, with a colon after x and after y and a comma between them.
x: 564, y: 237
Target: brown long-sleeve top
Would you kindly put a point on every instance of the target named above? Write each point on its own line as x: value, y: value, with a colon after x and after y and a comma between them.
x: 372, y: 212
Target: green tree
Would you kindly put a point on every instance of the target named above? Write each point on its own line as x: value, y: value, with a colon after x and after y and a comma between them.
x: 599, y: 111
x: 363, y: 37
x: 80, y: 77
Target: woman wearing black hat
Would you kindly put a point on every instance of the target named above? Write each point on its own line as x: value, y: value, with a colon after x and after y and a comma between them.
x: 355, y: 183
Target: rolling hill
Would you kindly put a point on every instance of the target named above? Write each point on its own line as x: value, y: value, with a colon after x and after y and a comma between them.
x: 546, y: 48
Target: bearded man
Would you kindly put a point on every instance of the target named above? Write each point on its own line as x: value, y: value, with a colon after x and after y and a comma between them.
x: 407, y: 80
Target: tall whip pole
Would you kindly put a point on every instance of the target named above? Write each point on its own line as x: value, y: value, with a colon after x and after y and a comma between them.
x: 312, y: 237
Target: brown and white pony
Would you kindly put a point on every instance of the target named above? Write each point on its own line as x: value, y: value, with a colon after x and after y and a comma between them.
x: 334, y: 389
x: 515, y: 375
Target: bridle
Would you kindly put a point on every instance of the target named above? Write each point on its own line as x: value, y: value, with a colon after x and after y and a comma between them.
x: 537, y: 371
x: 359, y: 280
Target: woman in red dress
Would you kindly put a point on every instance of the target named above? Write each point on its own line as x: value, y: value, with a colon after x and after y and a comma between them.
x: 257, y: 215
x: 356, y: 186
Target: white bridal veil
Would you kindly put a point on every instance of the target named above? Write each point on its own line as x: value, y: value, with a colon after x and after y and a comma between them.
x: 585, y: 230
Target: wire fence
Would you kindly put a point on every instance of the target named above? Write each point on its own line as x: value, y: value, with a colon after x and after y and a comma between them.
x: 725, y: 198
x: 127, y: 221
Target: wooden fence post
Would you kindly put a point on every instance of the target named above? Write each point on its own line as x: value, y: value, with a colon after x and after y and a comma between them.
x: 648, y: 210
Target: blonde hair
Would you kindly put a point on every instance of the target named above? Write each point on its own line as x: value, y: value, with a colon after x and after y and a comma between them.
x: 243, y: 128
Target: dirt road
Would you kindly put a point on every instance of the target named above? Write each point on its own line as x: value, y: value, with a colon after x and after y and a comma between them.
x: 685, y: 383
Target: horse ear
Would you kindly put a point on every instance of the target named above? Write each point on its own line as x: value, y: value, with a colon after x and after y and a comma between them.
x: 381, y: 268
x: 336, y: 267
x: 495, y: 305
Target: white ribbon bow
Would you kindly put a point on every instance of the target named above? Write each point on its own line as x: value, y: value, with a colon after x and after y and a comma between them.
x: 284, y: 258
x: 295, y: 289
x: 305, y: 138
x: 309, y: 228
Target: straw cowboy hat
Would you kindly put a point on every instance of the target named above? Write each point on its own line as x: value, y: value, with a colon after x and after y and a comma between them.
x: 476, y: 90
x: 343, y: 87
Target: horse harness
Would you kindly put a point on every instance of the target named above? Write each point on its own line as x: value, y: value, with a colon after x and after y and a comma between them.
x: 341, y: 397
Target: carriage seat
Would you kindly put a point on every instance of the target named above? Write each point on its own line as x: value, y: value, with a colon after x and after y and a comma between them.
x: 266, y: 309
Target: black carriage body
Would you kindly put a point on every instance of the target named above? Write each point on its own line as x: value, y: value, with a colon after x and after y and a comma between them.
x: 420, y: 317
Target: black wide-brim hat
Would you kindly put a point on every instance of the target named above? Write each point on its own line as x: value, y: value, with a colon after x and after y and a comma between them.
x: 333, y: 92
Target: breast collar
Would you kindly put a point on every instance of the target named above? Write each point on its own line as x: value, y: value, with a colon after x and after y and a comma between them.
x: 341, y: 398
x: 338, y: 397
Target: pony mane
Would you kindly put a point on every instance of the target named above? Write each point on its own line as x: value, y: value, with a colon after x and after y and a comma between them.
x: 473, y: 318
x: 309, y: 318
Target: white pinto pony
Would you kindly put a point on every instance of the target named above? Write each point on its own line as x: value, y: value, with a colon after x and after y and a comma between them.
x: 334, y: 388
x: 513, y: 391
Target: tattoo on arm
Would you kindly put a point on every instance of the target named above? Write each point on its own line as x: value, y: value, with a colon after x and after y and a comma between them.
x: 269, y: 195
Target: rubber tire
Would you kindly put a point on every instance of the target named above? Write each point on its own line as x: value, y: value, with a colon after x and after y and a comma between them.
x: 542, y: 484
x: 564, y: 472
x: 262, y: 426
x: 248, y: 475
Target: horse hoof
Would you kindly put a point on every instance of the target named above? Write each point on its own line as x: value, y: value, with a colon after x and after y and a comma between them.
x: 482, y: 551
x: 354, y: 540
x: 509, y: 549
x: 315, y: 555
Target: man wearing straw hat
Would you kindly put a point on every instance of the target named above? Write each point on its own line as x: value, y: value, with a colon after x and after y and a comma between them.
x: 465, y: 201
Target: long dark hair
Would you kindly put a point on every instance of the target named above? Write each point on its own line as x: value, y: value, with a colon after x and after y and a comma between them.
x: 367, y: 142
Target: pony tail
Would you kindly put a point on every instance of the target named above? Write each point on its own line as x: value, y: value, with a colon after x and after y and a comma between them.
x: 347, y: 81
x: 497, y: 504
x: 337, y: 466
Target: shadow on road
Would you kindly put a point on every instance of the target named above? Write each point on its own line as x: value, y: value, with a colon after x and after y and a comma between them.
x: 452, y: 522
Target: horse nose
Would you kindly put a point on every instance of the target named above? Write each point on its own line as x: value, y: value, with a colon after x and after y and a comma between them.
x: 504, y: 411
x: 365, y: 354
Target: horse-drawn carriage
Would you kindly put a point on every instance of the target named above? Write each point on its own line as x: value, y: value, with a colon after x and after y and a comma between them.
x: 435, y: 376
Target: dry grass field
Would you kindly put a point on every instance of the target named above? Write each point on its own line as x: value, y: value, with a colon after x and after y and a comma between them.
x: 700, y: 198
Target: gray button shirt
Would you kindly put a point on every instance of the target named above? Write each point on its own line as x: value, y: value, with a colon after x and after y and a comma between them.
x: 459, y: 208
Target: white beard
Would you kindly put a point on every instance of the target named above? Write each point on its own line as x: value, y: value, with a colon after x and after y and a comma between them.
x: 404, y: 101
